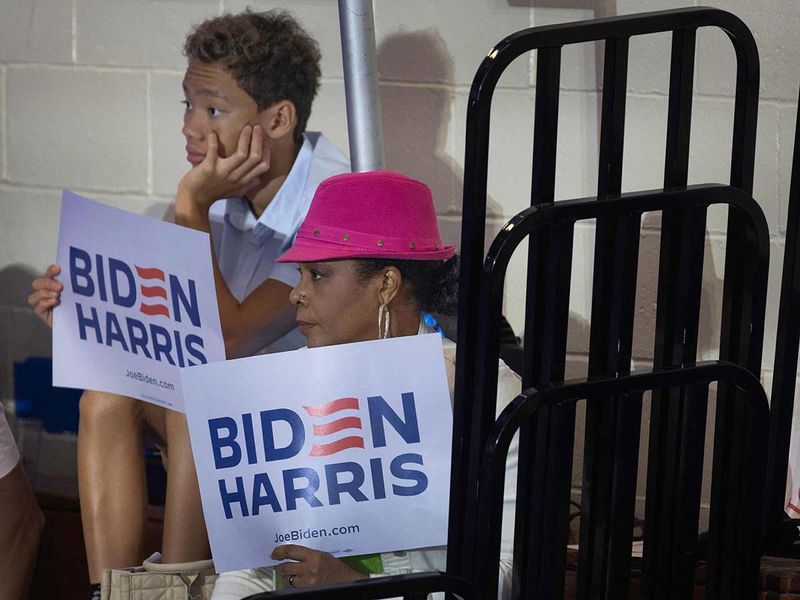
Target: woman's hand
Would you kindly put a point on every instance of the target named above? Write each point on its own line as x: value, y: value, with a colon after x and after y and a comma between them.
x: 216, y: 177
x: 46, y: 294
x: 311, y: 567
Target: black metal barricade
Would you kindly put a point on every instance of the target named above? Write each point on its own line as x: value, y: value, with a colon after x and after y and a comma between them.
x: 546, y: 466
x: 612, y: 426
x: 743, y: 581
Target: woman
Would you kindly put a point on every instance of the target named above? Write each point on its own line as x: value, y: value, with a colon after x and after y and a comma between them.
x: 372, y: 265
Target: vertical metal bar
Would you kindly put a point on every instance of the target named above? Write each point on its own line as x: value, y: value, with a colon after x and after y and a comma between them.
x: 476, y: 161
x: 362, y: 94
x: 674, y: 465
x: 612, y: 128
x: 679, y: 119
x: 786, y: 350
x: 606, y: 517
x: 545, y: 442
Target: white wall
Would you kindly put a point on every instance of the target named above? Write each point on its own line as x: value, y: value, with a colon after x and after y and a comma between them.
x: 90, y: 90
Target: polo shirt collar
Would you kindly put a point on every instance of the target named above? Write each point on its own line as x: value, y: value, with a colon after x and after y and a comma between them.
x: 280, y: 216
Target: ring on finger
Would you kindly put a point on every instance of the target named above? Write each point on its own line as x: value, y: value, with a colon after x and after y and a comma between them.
x: 290, y: 580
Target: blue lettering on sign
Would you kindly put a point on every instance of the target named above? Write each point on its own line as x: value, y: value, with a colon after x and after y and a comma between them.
x: 306, y: 493
x: 113, y: 281
x: 80, y: 266
x: 236, y: 496
x: 268, y: 419
x: 233, y: 439
x: 179, y: 299
x: 117, y: 268
x: 219, y: 442
x: 379, y: 410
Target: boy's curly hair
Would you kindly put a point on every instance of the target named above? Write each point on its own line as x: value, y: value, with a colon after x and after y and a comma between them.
x: 269, y: 55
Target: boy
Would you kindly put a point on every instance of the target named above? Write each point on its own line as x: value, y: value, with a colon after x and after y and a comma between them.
x: 248, y: 88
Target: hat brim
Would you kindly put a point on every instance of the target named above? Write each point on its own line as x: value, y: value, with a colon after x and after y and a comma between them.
x: 320, y: 251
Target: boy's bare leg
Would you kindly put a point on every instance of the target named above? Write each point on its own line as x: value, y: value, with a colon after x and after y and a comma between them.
x: 21, y: 523
x: 111, y: 481
x: 185, y: 536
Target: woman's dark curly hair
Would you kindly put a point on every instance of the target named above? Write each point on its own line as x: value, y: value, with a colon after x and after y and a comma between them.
x: 434, y: 283
x: 268, y: 54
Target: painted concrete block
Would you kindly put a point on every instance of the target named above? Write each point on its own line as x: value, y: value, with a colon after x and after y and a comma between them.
x: 77, y: 128
x: 469, y: 28
x: 415, y: 125
x: 644, y: 318
x: 320, y: 18
x: 328, y: 115
x: 38, y: 31
x: 166, y: 121
x: 137, y: 33
x: 710, y: 154
x: 711, y: 297
x: 510, y: 149
x: 578, y: 145
x: 787, y: 123
x: 645, y: 143
x: 580, y: 300
x: 773, y: 25
x: 28, y: 243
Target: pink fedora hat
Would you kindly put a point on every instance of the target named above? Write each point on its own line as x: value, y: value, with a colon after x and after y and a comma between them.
x: 377, y: 214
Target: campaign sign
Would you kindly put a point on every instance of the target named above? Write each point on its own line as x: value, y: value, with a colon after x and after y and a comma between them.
x: 344, y: 449
x: 138, y: 303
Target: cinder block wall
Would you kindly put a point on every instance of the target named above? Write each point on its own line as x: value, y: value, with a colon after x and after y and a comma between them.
x: 90, y: 91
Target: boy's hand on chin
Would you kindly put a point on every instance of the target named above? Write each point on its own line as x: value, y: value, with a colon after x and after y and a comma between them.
x: 311, y: 567
x: 216, y: 177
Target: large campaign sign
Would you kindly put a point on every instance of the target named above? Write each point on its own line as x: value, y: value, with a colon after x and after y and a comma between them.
x: 138, y: 303
x: 344, y: 449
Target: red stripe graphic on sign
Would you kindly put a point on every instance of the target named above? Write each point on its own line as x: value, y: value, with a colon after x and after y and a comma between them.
x: 154, y: 309
x: 337, y: 446
x: 151, y: 291
x: 337, y: 425
x: 323, y: 410
x: 150, y: 273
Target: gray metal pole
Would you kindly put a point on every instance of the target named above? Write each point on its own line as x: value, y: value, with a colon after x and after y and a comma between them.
x: 362, y: 96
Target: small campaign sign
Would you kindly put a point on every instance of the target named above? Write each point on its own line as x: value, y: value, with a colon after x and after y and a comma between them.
x: 138, y: 303
x: 344, y: 449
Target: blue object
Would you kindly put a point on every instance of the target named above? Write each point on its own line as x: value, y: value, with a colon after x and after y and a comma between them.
x: 431, y: 322
x: 36, y: 398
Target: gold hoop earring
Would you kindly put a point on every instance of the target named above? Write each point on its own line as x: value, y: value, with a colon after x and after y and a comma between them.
x: 384, y: 319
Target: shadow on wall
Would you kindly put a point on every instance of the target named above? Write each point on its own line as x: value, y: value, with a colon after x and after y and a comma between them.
x: 22, y: 334
x: 416, y: 119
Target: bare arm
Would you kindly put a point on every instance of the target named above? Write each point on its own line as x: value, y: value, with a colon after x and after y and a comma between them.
x: 266, y: 314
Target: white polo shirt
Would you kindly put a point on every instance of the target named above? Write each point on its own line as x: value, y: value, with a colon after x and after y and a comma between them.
x: 246, y: 247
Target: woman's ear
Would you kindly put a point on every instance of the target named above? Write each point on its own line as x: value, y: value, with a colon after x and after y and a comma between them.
x: 279, y: 120
x: 391, y: 283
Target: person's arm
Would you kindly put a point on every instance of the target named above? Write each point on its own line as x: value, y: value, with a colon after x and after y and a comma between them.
x: 21, y: 524
x: 266, y: 314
